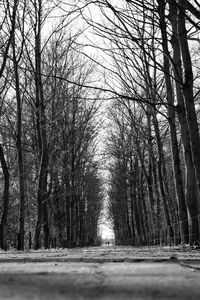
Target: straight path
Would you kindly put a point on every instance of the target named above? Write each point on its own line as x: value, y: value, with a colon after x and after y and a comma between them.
x: 101, y: 273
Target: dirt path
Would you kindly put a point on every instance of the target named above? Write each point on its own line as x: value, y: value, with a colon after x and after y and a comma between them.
x: 101, y: 273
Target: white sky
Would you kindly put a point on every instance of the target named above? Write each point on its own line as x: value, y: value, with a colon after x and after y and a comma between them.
x: 106, y: 232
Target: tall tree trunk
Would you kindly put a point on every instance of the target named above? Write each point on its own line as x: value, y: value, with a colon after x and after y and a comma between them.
x: 20, y: 245
x: 144, y: 215
x: 150, y: 166
x: 187, y: 90
x: 147, y: 174
x: 148, y: 178
x: 4, y: 219
x: 125, y: 199
x: 180, y: 195
x: 3, y: 224
x: 140, y: 209
x: 190, y: 182
x: 56, y: 208
x: 10, y: 37
x: 42, y: 215
x: 127, y: 209
x: 72, y: 173
x: 77, y: 221
x: 163, y: 185
x: 132, y: 198
x: 160, y: 176
x: 72, y: 196
x: 137, y: 213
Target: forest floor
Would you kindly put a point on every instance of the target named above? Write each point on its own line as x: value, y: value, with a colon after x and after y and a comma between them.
x: 107, y: 272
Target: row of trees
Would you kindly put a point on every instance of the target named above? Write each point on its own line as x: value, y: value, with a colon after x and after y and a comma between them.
x: 141, y: 201
x: 50, y: 182
x: 48, y: 115
x: 154, y: 143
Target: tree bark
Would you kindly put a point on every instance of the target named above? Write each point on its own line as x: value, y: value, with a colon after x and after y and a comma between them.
x: 160, y: 176
x: 132, y: 197
x: 187, y: 90
x: 42, y: 210
x: 180, y: 195
x: 10, y: 37
x: 190, y: 179
x: 20, y: 245
x: 4, y: 219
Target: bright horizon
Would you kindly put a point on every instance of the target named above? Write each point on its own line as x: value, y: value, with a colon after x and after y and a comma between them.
x: 106, y: 232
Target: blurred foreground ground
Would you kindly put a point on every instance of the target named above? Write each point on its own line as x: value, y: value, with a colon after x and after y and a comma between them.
x: 101, y: 273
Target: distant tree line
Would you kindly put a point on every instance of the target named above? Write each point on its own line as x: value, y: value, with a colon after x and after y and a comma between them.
x: 50, y: 186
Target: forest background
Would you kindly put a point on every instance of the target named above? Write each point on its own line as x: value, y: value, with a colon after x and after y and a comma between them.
x: 75, y: 75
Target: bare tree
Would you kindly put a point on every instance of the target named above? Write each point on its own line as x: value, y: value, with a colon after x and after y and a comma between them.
x: 3, y: 224
x: 7, y: 29
x: 140, y: 31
